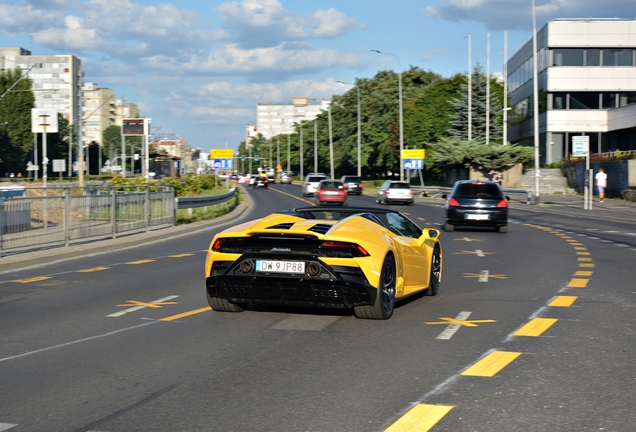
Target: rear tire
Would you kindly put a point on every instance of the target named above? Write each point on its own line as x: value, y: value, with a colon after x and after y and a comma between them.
x: 223, y: 305
x: 436, y: 272
x: 385, y: 300
x: 449, y: 228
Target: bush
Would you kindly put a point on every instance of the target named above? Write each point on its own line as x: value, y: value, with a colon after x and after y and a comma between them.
x: 629, y: 194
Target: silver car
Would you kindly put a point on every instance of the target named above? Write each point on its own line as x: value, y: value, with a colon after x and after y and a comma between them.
x: 310, y: 185
x: 393, y: 191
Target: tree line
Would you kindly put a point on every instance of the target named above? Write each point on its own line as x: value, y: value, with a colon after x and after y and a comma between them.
x: 435, y: 118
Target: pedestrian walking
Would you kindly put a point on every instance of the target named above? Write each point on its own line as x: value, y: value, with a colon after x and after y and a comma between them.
x: 491, y: 175
x: 499, y: 178
x: 601, y: 183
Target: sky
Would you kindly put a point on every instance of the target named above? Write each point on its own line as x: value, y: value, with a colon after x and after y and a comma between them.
x: 198, y: 69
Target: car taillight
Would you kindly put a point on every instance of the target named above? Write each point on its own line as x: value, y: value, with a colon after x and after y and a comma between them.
x: 453, y: 202
x: 345, y: 185
x: 503, y: 203
x: 341, y: 249
x: 387, y: 191
x: 217, y: 244
x: 225, y: 242
x: 361, y: 185
x: 412, y: 192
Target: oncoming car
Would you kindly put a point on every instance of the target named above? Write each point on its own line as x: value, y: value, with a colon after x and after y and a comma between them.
x: 359, y: 258
x: 476, y: 203
x: 331, y: 192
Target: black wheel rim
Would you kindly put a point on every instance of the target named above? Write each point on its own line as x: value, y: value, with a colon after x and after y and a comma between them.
x: 388, y: 286
x: 436, y: 267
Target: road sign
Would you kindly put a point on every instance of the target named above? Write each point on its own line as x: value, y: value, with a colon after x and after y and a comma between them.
x: 413, y: 164
x: 222, y: 154
x: 59, y: 165
x: 223, y: 163
x: 43, y: 120
x: 413, y: 154
x: 580, y: 146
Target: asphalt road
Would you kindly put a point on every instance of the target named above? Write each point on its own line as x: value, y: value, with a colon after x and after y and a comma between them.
x: 532, y: 330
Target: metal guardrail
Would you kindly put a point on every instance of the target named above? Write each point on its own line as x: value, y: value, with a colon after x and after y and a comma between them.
x: 437, y: 191
x: 194, y: 202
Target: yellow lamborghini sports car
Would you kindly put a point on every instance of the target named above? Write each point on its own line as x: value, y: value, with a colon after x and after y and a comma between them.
x: 360, y: 258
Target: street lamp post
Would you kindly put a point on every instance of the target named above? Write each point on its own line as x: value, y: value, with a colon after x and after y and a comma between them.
x: 400, y: 108
x: 330, y: 142
x: 359, y: 129
x: 316, y: 144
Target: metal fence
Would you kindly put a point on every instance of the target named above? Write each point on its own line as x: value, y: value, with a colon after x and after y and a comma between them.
x: 53, y: 217
x: 438, y: 191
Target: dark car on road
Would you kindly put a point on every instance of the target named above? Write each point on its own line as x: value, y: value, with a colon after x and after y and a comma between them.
x: 353, y: 184
x: 477, y: 204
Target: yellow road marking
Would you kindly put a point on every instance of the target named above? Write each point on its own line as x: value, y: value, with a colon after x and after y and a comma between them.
x: 468, y: 239
x: 33, y: 279
x: 584, y: 273
x: 294, y: 196
x: 563, y: 301
x: 420, y: 418
x: 491, y: 364
x: 578, y: 283
x: 180, y: 255
x: 583, y: 253
x: 581, y: 259
x: 185, y: 314
x: 580, y: 248
x: 572, y: 241
x: 153, y: 305
x: 144, y: 261
x: 465, y: 323
x: 535, y: 327
x: 94, y: 269
x: 586, y: 265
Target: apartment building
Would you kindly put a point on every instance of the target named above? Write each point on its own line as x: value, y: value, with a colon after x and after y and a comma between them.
x: 125, y: 110
x: 57, y: 80
x: 279, y: 118
x: 98, y: 112
x: 587, y: 86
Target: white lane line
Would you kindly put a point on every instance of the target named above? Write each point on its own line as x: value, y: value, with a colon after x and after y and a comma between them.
x: 305, y: 323
x: 452, y: 328
x: 5, y: 426
x: 483, y: 276
x: 479, y: 253
x: 136, y: 308
x: 75, y: 342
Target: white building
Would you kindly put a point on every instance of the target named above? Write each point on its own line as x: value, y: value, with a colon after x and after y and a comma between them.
x: 279, y: 118
x: 98, y: 112
x: 57, y: 80
x: 587, y: 85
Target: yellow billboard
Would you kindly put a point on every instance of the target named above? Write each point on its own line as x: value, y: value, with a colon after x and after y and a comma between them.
x: 221, y: 154
x: 413, y: 154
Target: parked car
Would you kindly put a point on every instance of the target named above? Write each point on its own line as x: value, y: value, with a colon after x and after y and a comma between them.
x: 476, y: 203
x: 331, y: 192
x: 363, y: 259
x: 311, y: 183
x: 393, y: 191
x: 353, y: 184
x: 286, y: 178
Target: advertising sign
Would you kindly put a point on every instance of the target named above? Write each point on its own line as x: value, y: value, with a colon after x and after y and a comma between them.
x: 413, y: 154
x: 222, y: 154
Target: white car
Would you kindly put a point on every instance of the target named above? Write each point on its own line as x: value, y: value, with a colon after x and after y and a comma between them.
x: 393, y: 191
x: 310, y: 185
x: 286, y: 178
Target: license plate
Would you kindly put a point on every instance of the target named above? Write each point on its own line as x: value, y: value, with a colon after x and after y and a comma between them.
x: 290, y: 267
x: 477, y: 216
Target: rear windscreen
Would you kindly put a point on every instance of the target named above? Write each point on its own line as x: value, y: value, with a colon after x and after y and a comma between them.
x: 353, y: 179
x: 400, y: 186
x: 315, y: 179
x: 478, y: 190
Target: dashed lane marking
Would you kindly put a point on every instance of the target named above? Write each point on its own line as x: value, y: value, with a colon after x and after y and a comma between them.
x: 578, y: 283
x: 143, y: 261
x: 137, y: 305
x: 584, y: 273
x: 422, y: 417
x: 33, y: 279
x: 491, y: 364
x: 181, y: 255
x: 477, y: 252
x: 563, y: 301
x: 536, y: 327
x: 94, y: 269
x: 186, y: 314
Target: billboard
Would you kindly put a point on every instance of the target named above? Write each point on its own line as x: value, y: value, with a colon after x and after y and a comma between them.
x: 134, y: 127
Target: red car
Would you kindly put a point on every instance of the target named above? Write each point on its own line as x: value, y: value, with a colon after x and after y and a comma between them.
x: 331, y: 192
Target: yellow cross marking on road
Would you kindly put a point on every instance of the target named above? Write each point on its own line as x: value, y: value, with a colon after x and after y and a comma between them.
x: 465, y: 323
x: 145, y: 304
x: 467, y: 239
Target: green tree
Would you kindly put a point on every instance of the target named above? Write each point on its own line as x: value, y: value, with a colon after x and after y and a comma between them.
x: 459, y: 123
x: 16, y: 138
